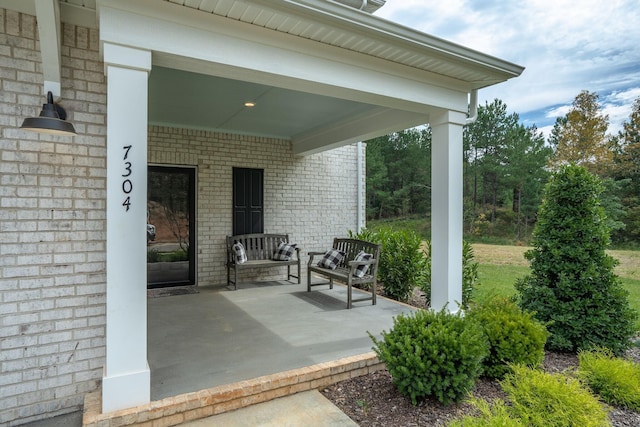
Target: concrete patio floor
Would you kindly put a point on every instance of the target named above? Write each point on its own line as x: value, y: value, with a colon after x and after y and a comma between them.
x: 219, y: 336
x: 264, y: 332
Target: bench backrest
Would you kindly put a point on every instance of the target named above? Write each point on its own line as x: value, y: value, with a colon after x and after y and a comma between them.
x: 351, y: 248
x: 257, y: 246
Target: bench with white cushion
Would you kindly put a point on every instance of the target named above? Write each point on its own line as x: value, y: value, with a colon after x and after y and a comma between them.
x: 262, y: 251
x: 357, y: 266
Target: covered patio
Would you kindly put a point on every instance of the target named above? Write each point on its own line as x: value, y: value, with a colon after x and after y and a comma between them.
x: 218, y: 336
x: 218, y: 350
x: 290, y: 88
x: 320, y: 77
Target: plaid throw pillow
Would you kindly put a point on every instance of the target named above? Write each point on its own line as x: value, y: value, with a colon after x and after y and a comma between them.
x: 284, y: 251
x: 240, y: 254
x: 331, y: 259
x: 361, y: 270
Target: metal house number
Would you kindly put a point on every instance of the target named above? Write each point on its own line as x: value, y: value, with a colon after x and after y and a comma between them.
x: 127, y: 185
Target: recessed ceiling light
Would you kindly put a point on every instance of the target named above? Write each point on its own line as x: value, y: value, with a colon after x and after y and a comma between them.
x: 249, y: 104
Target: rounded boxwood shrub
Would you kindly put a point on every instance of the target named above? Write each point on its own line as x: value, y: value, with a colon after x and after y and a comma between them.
x: 615, y: 380
x: 540, y: 399
x: 515, y: 337
x: 435, y: 354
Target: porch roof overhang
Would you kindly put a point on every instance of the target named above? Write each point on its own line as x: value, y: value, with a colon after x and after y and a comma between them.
x: 322, y: 74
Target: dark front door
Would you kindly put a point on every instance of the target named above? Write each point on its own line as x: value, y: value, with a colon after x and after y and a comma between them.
x: 170, y: 226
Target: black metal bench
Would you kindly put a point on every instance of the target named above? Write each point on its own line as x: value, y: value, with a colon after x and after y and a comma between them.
x: 346, y: 268
x: 260, y: 249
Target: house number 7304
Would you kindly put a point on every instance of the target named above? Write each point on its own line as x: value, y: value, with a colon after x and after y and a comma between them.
x: 127, y: 185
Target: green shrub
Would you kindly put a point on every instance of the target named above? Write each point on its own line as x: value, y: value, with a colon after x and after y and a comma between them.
x: 402, y: 262
x: 434, y: 354
x: 404, y: 265
x: 540, y: 399
x: 153, y: 255
x: 179, y: 255
x: 494, y: 415
x: 515, y: 337
x: 615, y: 380
x: 572, y: 286
x: 469, y: 273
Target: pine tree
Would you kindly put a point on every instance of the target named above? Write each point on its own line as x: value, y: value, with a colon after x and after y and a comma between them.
x: 572, y: 285
x: 627, y: 173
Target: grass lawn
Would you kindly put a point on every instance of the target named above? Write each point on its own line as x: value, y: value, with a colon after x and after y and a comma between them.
x: 500, y: 266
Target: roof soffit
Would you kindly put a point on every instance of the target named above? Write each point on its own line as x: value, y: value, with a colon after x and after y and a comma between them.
x: 353, y: 30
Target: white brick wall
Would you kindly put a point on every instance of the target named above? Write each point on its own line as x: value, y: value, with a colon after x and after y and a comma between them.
x: 52, y: 216
x: 52, y: 228
x: 311, y: 198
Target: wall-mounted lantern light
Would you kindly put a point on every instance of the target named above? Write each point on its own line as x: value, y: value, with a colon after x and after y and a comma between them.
x: 52, y: 120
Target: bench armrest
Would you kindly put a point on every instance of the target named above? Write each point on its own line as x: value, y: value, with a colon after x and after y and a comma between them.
x: 312, y: 254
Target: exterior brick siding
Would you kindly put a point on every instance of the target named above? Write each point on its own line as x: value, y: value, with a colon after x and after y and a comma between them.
x: 53, y: 207
x: 311, y: 198
x: 52, y: 227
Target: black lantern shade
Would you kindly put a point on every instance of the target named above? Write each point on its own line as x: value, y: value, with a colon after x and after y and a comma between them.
x: 51, y: 120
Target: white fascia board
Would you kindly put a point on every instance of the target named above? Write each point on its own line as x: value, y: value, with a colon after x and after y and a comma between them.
x: 209, y: 44
x: 378, y: 28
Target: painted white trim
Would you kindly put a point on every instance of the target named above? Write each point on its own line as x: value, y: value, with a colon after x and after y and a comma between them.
x: 48, y: 17
x: 446, y: 210
x: 126, y: 369
x: 126, y: 390
x: 368, y: 125
x: 125, y: 57
x: 232, y: 49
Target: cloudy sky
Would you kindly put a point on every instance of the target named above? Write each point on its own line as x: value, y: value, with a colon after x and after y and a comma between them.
x: 566, y: 46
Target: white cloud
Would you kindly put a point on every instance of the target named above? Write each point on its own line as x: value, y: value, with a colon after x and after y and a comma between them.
x: 566, y: 47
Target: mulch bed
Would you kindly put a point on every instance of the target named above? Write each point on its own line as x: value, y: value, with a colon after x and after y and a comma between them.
x: 373, y: 400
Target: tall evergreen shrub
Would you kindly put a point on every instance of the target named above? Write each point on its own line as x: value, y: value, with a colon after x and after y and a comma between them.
x: 572, y: 286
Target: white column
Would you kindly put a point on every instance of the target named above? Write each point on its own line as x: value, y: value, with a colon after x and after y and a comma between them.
x: 126, y: 381
x: 446, y: 210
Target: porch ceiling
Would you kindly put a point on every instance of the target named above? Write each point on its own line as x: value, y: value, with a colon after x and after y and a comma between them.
x: 198, y: 101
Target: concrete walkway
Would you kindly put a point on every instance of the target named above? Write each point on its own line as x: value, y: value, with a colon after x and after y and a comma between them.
x: 309, y: 408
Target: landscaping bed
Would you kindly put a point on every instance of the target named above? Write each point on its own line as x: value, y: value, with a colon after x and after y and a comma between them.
x: 373, y: 400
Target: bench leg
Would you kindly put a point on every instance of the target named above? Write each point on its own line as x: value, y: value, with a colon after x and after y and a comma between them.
x: 235, y: 283
x: 308, y: 280
x: 374, y: 293
x: 349, y: 298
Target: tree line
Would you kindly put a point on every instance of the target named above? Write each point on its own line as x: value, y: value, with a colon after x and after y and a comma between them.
x: 506, y: 166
